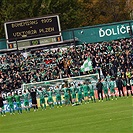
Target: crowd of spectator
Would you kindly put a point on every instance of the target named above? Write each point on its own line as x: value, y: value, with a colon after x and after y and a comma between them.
x: 113, y: 58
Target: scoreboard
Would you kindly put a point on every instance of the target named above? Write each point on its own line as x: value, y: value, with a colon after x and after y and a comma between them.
x: 35, y: 42
x: 34, y: 31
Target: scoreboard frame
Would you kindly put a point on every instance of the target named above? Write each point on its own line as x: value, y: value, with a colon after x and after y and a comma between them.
x: 32, y: 29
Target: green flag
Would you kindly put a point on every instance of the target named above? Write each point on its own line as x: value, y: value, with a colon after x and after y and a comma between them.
x: 87, y: 65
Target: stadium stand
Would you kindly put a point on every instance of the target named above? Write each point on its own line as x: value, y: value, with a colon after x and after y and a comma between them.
x: 114, y: 58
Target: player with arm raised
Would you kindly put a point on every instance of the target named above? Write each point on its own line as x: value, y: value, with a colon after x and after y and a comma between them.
x: 50, y: 100
x: 66, y: 95
x: 10, y: 100
x: 18, y: 102
x: 2, y: 111
x: 92, y: 92
x: 25, y: 95
x: 73, y: 93
x: 58, y: 97
x: 41, y: 93
x: 86, y: 90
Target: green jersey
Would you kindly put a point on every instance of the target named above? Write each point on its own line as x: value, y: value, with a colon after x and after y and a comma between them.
x: 17, y: 98
x: 108, y: 78
x: 10, y: 99
x: 91, y: 90
x: 112, y: 85
x: 131, y: 81
x: 73, y: 92
x: 49, y: 93
x: 25, y: 96
x: 85, y: 88
x: 79, y: 88
x: 105, y: 85
x: 57, y: 92
x: 91, y: 87
x: 41, y: 94
x: 65, y: 90
x: 124, y: 82
x: 50, y: 99
x: 66, y: 95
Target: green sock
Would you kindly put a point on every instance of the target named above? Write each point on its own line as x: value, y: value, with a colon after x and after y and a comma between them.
x: 91, y: 99
x: 10, y: 111
x: 60, y: 103
x: 1, y: 113
x: 106, y: 97
x: 44, y: 106
x: 4, y: 112
x: 50, y: 105
x: 94, y: 99
x: 57, y: 104
x: 20, y: 110
x: 13, y: 110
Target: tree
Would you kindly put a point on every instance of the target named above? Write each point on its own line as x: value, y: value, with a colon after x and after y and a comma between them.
x: 111, y: 11
x: 11, y: 10
x: 68, y: 10
x: 73, y: 13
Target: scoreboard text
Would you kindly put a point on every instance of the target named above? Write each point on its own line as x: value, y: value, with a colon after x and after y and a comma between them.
x: 31, y: 29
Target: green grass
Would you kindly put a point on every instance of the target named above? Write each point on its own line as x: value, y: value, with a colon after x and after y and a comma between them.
x: 111, y: 116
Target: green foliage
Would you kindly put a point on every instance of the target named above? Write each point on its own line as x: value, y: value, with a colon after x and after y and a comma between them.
x: 73, y: 13
x: 68, y: 10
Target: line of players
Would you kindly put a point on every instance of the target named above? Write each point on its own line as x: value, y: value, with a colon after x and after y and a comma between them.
x: 72, y: 95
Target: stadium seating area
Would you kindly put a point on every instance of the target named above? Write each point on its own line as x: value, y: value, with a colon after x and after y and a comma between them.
x: 114, y: 58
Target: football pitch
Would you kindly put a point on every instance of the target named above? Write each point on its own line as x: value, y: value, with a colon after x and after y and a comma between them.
x: 102, y: 117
